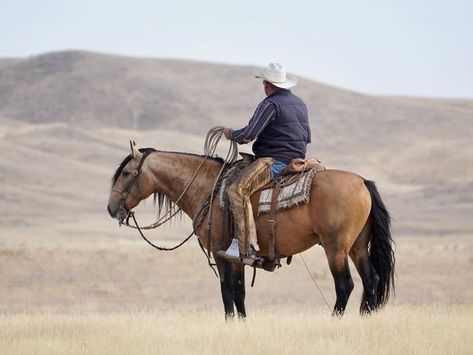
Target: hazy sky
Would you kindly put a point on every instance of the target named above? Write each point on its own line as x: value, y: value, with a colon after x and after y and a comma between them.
x: 404, y: 47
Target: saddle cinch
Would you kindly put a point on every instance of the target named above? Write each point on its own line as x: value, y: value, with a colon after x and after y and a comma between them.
x: 289, y: 190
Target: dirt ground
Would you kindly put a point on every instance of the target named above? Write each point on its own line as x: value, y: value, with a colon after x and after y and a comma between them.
x: 117, y: 272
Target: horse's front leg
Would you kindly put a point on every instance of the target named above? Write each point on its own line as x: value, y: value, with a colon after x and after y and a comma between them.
x: 226, y: 286
x: 239, y: 288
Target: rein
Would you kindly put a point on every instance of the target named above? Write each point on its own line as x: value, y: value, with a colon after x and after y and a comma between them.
x: 204, y: 209
x: 132, y: 215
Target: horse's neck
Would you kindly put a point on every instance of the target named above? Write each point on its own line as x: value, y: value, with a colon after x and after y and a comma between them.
x: 172, y: 173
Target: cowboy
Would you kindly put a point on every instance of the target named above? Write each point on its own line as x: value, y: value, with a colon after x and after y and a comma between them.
x: 281, y: 129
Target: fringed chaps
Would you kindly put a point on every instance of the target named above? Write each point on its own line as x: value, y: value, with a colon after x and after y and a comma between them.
x: 252, y: 178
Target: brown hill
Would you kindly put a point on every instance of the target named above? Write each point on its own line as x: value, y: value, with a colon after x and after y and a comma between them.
x: 65, y: 119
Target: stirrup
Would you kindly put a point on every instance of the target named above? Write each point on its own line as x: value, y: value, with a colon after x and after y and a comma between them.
x: 232, y: 254
x: 251, y: 258
x: 258, y: 262
x: 233, y: 250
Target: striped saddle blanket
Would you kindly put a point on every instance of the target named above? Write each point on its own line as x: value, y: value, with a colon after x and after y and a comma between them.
x: 295, y: 191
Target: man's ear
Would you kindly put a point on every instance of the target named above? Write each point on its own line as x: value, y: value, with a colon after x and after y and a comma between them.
x: 135, y: 153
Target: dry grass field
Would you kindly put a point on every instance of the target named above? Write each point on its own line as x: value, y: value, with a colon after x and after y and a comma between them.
x: 71, y: 281
x: 271, y: 330
x: 125, y: 298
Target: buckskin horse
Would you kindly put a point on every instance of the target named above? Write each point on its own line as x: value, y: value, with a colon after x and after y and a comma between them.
x: 345, y: 215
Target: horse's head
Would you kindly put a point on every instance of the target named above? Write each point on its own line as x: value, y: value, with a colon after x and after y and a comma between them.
x: 131, y: 183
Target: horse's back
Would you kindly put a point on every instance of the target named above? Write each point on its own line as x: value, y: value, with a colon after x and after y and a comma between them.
x: 338, y: 187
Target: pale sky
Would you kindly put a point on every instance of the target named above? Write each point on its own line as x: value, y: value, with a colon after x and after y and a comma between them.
x: 398, y: 47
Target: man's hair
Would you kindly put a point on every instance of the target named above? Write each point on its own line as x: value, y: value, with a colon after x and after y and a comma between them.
x: 274, y: 87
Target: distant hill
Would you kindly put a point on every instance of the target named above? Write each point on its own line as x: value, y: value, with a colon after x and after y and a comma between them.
x: 72, y: 112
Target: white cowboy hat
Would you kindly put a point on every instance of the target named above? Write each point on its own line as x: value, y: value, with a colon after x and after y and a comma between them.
x: 276, y: 75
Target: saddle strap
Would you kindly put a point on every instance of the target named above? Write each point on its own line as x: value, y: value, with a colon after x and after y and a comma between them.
x: 272, y: 222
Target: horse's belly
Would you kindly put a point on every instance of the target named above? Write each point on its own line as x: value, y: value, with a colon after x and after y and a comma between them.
x: 288, y: 245
x: 294, y: 232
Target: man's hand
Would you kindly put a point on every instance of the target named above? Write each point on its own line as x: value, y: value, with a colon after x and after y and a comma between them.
x: 226, y: 132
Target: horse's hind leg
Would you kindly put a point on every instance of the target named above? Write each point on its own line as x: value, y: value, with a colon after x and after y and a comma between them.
x: 359, y: 255
x: 338, y: 263
x: 239, y: 288
x: 370, y: 281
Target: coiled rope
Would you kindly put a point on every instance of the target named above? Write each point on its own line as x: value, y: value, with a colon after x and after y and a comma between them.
x: 211, y: 141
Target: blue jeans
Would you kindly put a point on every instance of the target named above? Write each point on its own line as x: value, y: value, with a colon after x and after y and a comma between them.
x: 277, y: 168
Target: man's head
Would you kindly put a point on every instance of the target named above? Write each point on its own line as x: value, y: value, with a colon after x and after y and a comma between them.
x: 269, y: 88
x: 275, y: 78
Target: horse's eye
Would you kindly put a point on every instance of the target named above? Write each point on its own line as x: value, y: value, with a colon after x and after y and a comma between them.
x: 125, y: 173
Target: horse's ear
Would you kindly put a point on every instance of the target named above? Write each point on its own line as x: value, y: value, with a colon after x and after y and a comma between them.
x: 135, y: 153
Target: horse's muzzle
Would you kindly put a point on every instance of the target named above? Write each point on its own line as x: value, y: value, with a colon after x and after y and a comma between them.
x: 120, y: 215
x: 110, y: 212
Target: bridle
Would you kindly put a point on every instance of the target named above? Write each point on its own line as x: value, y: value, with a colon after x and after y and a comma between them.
x: 122, y: 212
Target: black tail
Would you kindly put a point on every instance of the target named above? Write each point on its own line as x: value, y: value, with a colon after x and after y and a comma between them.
x: 381, y: 252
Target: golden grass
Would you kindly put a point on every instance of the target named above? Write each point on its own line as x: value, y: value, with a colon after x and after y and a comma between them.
x: 298, y: 330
